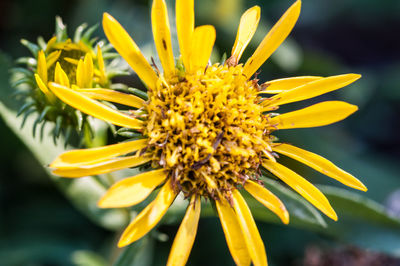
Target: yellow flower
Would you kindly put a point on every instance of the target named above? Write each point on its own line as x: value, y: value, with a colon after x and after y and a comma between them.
x: 207, y: 131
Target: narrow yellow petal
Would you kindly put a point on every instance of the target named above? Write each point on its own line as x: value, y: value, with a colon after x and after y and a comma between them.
x: 50, y: 43
x: 98, y: 154
x: 128, y: 49
x: 162, y: 36
x: 202, y: 45
x: 273, y: 40
x: 186, y: 234
x: 320, y: 164
x: 247, y: 27
x: 252, y: 237
x: 316, y: 115
x: 312, y: 89
x: 88, y: 66
x: 71, y: 60
x: 42, y: 66
x: 302, y: 186
x: 233, y: 233
x: 269, y: 200
x: 285, y: 84
x: 102, y: 167
x: 132, y: 190
x: 94, y: 108
x: 53, y: 57
x: 149, y: 217
x: 44, y: 89
x: 80, y: 74
x: 113, y: 96
x: 60, y: 76
x: 102, y: 68
x: 185, y: 28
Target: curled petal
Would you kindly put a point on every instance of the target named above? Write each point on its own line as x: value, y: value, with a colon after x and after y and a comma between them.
x: 269, y: 200
x: 302, y: 186
x: 149, y: 217
x: 320, y: 164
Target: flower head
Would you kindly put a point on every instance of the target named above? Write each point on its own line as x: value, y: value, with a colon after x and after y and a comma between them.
x: 207, y: 131
x: 75, y: 63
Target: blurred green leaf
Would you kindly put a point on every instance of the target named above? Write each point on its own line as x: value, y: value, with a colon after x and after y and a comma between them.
x: 83, y: 192
x: 356, y: 206
x: 139, y: 253
x: 88, y: 258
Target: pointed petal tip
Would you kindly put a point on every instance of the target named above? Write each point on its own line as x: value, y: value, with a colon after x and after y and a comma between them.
x: 285, y: 217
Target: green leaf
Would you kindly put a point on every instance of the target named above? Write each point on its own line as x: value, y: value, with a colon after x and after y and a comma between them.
x: 357, y: 206
x: 82, y: 192
x: 140, y: 253
x: 88, y: 258
x: 362, y: 222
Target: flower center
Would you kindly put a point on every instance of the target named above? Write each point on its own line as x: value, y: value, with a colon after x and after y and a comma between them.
x: 68, y: 51
x: 208, y: 130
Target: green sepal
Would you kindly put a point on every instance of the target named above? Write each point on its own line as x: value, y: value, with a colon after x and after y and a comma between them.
x: 25, y: 107
x: 33, y: 48
x: 78, y: 32
x: 61, y: 30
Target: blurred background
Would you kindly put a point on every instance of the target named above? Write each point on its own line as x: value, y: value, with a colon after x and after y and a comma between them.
x: 40, y: 226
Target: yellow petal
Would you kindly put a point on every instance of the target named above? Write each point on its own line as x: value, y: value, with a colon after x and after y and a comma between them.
x: 60, y: 76
x: 269, y: 200
x: 113, y: 96
x: 98, y: 154
x: 252, y: 237
x: 44, y: 89
x: 186, y: 234
x: 247, y: 27
x: 302, y: 186
x: 132, y: 190
x: 53, y: 57
x: 320, y: 164
x: 102, y: 68
x: 233, y: 233
x: 202, y: 45
x: 316, y: 115
x: 128, y: 49
x: 80, y: 75
x: 149, y: 217
x: 84, y: 72
x: 102, y: 167
x: 162, y: 36
x: 285, y: 84
x: 94, y: 108
x: 42, y: 66
x: 88, y: 66
x: 312, y: 89
x: 50, y: 43
x: 273, y: 40
x: 185, y: 27
x: 72, y: 61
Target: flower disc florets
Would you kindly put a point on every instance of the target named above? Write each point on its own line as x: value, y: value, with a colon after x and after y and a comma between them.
x: 207, y: 128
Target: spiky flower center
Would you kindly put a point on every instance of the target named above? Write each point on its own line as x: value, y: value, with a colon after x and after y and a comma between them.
x: 207, y: 129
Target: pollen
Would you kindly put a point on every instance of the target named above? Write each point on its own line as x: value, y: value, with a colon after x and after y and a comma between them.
x: 207, y: 129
